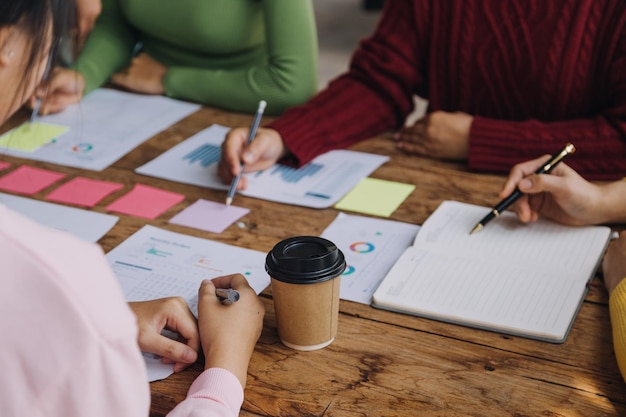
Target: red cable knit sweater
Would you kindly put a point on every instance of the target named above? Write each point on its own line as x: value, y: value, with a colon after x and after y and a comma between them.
x: 535, y: 74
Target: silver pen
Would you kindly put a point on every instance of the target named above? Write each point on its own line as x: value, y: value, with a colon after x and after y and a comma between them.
x: 255, y: 124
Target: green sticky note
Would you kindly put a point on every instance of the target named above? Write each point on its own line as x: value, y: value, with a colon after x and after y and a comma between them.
x: 374, y: 196
x: 30, y: 136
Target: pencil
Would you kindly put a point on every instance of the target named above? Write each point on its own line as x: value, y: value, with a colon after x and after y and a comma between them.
x: 255, y: 125
x: 227, y: 295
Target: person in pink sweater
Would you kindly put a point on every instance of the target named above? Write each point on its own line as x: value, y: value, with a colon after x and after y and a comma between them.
x: 506, y: 81
x: 70, y: 342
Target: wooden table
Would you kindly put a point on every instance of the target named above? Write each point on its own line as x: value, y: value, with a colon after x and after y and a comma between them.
x: 382, y: 363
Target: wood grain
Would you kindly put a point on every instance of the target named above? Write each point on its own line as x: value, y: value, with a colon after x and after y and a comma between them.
x: 382, y: 363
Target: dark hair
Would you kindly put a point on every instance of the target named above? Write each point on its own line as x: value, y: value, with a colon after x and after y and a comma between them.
x: 37, y: 18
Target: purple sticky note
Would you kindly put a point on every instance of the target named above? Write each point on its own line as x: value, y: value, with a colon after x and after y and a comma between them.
x: 28, y: 180
x: 4, y: 165
x: 209, y: 216
x: 144, y: 201
x: 83, y: 191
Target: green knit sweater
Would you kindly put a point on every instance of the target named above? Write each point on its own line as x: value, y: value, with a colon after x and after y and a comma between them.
x: 223, y: 53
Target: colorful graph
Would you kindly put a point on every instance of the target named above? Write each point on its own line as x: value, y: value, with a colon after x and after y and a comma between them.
x: 82, y: 148
x: 206, y: 154
x: 293, y: 175
x: 349, y: 270
x: 362, y: 247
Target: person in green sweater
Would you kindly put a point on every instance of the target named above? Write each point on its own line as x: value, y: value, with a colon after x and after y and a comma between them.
x: 224, y: 53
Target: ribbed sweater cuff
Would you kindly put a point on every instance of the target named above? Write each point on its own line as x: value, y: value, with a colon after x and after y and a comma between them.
x: 294, y: 128
x: 219, y: 385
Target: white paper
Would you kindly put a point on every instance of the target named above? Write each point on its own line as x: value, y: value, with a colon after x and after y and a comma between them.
x: 87, y: 225
x: 520, y: 279
x: 106, y: 125
x: 318, y: 184
x: 371, y: 246
x: 155, y: 263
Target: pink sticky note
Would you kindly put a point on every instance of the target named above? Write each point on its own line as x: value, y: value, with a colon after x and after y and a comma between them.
x: 209, y: 216
x: 28, y: 180
x: 4, y: 165
x: 144, y: 201
x: 83, y: 191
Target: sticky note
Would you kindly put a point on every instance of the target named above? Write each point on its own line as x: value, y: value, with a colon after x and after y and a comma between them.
x: 210, y: 216
x: 4, y: 165
x: 145, y: 201
x: 83, y: 191
x: 29, y: 136
x: 28, y: 180
x: 376, y: 197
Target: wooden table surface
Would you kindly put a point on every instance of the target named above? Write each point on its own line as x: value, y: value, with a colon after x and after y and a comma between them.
x: 382, y: 363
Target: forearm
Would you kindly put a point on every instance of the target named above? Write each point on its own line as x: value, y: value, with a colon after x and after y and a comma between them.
x: 108, y: 48
x: 375, y: 95
x: 242, y: 89
x: 216, y: 392
x: 612, y: 206
x: 497, y: 145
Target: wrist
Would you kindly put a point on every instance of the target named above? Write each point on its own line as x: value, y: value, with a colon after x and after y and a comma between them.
x: 611, y: 202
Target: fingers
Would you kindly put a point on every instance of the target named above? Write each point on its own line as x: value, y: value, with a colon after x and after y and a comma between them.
x: 172, y: 351
x: 520, y: 171
x: 172, y: 314
x: 264, y: 151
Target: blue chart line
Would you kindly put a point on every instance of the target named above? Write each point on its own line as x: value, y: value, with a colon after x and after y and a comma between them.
x: 133, y: 266
x: 207, y: 154
x: 293, y: 175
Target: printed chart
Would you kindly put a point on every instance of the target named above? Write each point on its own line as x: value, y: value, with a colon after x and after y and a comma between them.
x: 103, y: 127
x: 371, y: 247
x: 155, y: 263
x: 319, y: 184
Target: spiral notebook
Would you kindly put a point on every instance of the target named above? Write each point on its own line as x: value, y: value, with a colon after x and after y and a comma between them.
x: 520, y: 279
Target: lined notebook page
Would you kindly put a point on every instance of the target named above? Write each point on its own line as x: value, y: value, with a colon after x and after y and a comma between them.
x: 514, y: 278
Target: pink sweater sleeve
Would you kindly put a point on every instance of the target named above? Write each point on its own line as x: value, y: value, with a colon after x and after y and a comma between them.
x: 216, y: 393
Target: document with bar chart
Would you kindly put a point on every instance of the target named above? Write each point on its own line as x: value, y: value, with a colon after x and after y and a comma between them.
x: 318, y: 184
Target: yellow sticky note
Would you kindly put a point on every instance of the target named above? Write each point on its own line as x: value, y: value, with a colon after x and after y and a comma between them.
x: 374, y: 196
x: 30, y: 136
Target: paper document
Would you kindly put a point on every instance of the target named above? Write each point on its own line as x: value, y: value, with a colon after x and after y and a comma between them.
x: 318, y: 184
x: 371, y: 247
x: 87, y: 225
x: 103, y: 127
x: 526, y: 280
x: 156, y: 263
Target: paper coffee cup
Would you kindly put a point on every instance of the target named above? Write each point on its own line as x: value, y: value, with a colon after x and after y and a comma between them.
x: 306, y: 273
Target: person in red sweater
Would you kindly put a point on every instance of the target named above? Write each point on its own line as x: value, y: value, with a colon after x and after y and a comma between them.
x: 506, y: 81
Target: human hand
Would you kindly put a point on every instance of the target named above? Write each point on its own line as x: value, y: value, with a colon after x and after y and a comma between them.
x: 87, y: 11
x: 143, y: 75
x: 172, y: 314
x: 440, y: 134
x: 64, y: 87
x: 563, y: 195
x: 229, y: 332
x: 263, y: 152
x: 614, y: 263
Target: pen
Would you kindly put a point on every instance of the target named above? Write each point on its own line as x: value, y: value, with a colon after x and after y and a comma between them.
x: 516, y: 194
x: 251, y: 135
x: 45, y: 76
x: 227, y: 295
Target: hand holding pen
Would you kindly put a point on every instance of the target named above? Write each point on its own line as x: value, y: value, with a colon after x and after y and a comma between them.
x: 512, y: 196
x: 255, y: 125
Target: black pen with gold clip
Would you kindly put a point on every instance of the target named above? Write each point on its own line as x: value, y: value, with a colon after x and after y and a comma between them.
x: 515, y: 195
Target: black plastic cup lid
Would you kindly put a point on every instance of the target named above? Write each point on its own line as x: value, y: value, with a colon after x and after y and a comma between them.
x: 305, y: 260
